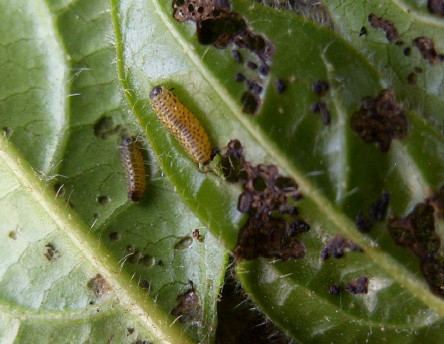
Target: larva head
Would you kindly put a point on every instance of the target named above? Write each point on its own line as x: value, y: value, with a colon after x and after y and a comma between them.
x: 156, y: 91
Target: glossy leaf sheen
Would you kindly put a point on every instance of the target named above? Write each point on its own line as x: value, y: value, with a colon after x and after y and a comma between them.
x: 62, y: 112
x: 337, y: 172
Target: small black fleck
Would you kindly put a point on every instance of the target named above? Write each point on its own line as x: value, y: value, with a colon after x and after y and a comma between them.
x: 407, y: 51
x: 264, y: 69
x: 320, y: 87
x: 103, y: 200
x: 251, y: 65
x: 363, y: 31
x: 334, y: 289
x: 240, y: 77
x: 237, y: 56
x: 115, y: 236
x: 280, y: 86
x: 254, y: 87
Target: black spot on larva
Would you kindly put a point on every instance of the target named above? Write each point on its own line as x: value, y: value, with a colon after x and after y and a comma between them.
x: 363, y: 31
x: 362, y: 223
x: 12, y: 235
x: 99, y: 286
x: 184, y: 243
x: 103, y: 200
x: 264, y: 69
x: 280, y: 86
x: 115, y: 236
x: 106, y: 127
x: 337, y: 247
x: 237, y: 56
x: 378, y: 209
x: 320, y: 87
x: 197, y: 236
x: 265, y: 193
x: 251, y: 65
x: 188, y: 306
x: 249, y: 103
x: 391, y: 33
x: 436, y: 7
x: 407, y: 51
x: 334, y: 289
x: 59, y: 189
x: 51, y: 252
x: 427, y: 48
x: 240, y: 77
x: 358, y: 286
x: 380, y: 120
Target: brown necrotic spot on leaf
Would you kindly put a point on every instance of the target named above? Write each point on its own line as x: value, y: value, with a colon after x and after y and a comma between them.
x: 268, y: 199
x: 99, y: 286
x: 337, y: 247
x: 436, y: 7
x: 386, y: 25
x: 380, y: 120
x: 358, y: 286
x: 51, y: 252
x: 217, y: 25
x: 427, y: 48
x: 417, y: 233
x: 250, y: 102
x: 188, y: 307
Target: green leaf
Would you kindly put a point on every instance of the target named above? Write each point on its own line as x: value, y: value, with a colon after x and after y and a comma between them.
x: 66, y: 216
x: 416, y: 81
x: 338, y: 173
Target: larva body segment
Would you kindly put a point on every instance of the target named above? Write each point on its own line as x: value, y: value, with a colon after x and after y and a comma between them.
x: 133, y: 161
x: 182, y: 124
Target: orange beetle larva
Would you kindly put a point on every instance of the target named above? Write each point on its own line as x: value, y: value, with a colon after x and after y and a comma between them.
x: 132, y: 157
x: 182, y: 124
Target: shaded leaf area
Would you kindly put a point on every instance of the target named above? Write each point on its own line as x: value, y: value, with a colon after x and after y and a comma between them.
x: 240, y: 321
x: 415, y: 71
x: 339, y: 174
x: 83, y: 119
x: 45, y: 295
x: 33, y: 90
x: 328, y: 307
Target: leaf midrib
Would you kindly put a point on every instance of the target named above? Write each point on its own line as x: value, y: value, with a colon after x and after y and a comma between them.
x: 398, y: 272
